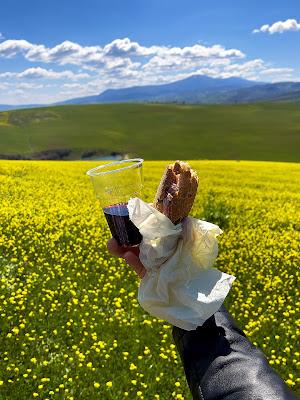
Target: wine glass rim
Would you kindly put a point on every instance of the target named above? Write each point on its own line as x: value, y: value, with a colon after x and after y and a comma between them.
x: 138, y: 162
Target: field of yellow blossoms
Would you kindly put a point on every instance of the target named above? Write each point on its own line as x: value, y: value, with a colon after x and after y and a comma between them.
x: 71, y: 327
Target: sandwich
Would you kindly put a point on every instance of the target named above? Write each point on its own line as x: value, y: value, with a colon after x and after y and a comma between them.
x: 177, y: 191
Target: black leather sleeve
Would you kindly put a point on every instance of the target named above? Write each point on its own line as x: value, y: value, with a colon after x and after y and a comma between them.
x: 221, y: 363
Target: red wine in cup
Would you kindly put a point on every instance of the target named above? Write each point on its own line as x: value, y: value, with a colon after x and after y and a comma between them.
x: 121, y: 227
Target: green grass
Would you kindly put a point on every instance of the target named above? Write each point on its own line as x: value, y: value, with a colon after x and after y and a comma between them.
x: 256, y: 131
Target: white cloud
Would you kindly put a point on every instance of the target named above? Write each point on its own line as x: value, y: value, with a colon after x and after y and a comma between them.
x: 77, y: 90
x: 118, y: 64
x: 280, y: 27
x: 276, y: 70
x: 278, y: 74
x: 10, y: 48
x: 71, y: 86
x: 4, y: 86
x: 190, y: 58
x: 1, y: 36
x: 201, y: 52
x: 26, y: 85
x: 8, y: 74
x: 20, y: 93
x: 248, y: 70
x: 126, y: 48
x: 41, y: 73
x: 248, y: 66
x: 64, y: 53
x: 120, y: 49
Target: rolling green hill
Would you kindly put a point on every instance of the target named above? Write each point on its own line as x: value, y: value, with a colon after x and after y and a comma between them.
x: 271, y: 92
x: 252, y: 131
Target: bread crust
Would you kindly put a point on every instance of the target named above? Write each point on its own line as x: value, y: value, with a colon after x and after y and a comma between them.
x: 176, y: 192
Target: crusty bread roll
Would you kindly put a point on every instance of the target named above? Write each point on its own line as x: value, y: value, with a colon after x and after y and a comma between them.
x: 176, y: 192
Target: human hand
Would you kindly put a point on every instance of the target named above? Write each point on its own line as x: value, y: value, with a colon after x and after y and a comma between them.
x: 129, y: 254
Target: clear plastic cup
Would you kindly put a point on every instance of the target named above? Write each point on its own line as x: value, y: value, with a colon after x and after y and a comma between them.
x: 115, y: 184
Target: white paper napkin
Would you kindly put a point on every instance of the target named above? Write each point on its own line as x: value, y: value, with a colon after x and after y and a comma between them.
x: 180, y: 285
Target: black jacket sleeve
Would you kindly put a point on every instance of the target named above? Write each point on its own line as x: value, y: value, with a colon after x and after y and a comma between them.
x: 221, y: 363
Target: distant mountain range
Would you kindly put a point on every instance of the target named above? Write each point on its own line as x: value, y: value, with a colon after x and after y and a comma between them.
x: 197, y: 89
x: 190, y: 90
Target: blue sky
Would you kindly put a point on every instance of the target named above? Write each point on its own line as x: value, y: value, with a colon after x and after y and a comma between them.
x: 65, y: 49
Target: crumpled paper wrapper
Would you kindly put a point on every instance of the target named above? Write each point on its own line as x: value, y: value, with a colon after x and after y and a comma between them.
x: 180, y: 285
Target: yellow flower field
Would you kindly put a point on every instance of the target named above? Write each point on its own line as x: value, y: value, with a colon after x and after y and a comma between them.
x: 71, y: 326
